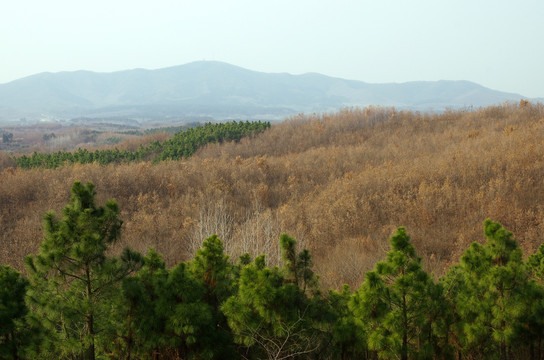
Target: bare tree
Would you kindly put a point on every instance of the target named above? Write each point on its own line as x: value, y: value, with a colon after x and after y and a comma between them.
x: 214, y: 218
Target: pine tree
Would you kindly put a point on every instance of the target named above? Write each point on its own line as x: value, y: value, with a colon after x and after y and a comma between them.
x: 534, y: 319
x: 191, y: 324
x: 72, y: 278
x: 490, y: 289
x: 395, y: 301
x: 176, y: 312
x: 535, y: 265
x: 270, y: 315
x: 212, y: 269
x: 297, y: 267
x: 348, y: 337
x: 137, y: 326
x: 13, y: 288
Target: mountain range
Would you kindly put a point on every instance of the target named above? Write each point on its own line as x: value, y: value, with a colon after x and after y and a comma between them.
x: 221, y: 91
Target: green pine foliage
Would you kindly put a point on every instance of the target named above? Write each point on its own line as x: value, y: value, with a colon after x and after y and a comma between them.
x: 176, y: 311
x: 137, y: 329
x: 271, y: 316
x: 189, y: 324
x: 72, y: 279
x: 497, y: 306
x: 535, y: 264
x: 401, y: 305
x: 182, y: 145
x: 13, y: 310
x: 213, y: 271
x: 347, y: 336
x: 297, y: 267
x: 81, y: 303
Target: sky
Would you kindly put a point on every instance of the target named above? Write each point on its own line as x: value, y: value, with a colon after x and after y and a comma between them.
x: 498, y: 44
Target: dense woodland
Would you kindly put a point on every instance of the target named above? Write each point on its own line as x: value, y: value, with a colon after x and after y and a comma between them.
x: 340, y: 184
x: 182, y: 145
x: 81, y: 303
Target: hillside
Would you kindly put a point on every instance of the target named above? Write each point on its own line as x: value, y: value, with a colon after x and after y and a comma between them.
x: 221, y: 91
x: 340, y: 183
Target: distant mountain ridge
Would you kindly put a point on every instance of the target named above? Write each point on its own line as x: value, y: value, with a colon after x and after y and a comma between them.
x: 220, y: 90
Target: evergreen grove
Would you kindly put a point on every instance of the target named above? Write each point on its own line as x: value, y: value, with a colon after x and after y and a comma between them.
x: 79, y: 302
x: 182, y: 145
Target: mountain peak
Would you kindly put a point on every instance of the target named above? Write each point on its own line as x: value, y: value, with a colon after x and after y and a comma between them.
x: 221, y: 90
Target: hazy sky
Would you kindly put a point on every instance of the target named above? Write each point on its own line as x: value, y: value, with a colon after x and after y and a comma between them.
x: 499, y: 43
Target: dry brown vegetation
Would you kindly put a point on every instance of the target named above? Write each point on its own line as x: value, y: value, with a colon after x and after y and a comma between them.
x: 339, y: 183
x: 52, y: 137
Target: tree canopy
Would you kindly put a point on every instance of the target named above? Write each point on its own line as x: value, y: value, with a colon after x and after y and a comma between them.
x: 72, y: 278
x: 183, y: 144
x: 81, y: 302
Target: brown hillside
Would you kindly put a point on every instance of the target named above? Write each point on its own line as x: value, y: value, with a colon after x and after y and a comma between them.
x: 339, y: 183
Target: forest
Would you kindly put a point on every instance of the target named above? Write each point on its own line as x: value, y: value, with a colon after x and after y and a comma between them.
x: 341, y: 184
x: 79, y: 302
x: 183, y: 144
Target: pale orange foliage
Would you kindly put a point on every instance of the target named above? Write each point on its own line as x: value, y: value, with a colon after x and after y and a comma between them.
x: 339, y: 183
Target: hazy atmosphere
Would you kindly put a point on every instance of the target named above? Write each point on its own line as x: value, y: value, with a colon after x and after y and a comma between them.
x: 305, y: 180
x: 493, y: 43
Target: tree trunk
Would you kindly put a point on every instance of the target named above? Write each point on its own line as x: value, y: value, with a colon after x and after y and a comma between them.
x: 11, y: 338
x: 130, y: 336
x: 404, y: 350
x: 89, y: 352
x: 504, y: 355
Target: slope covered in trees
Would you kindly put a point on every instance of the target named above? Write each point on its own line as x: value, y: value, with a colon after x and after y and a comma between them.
x: 339, y: 183
x: 182, y: 145
x: 81, y: 302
